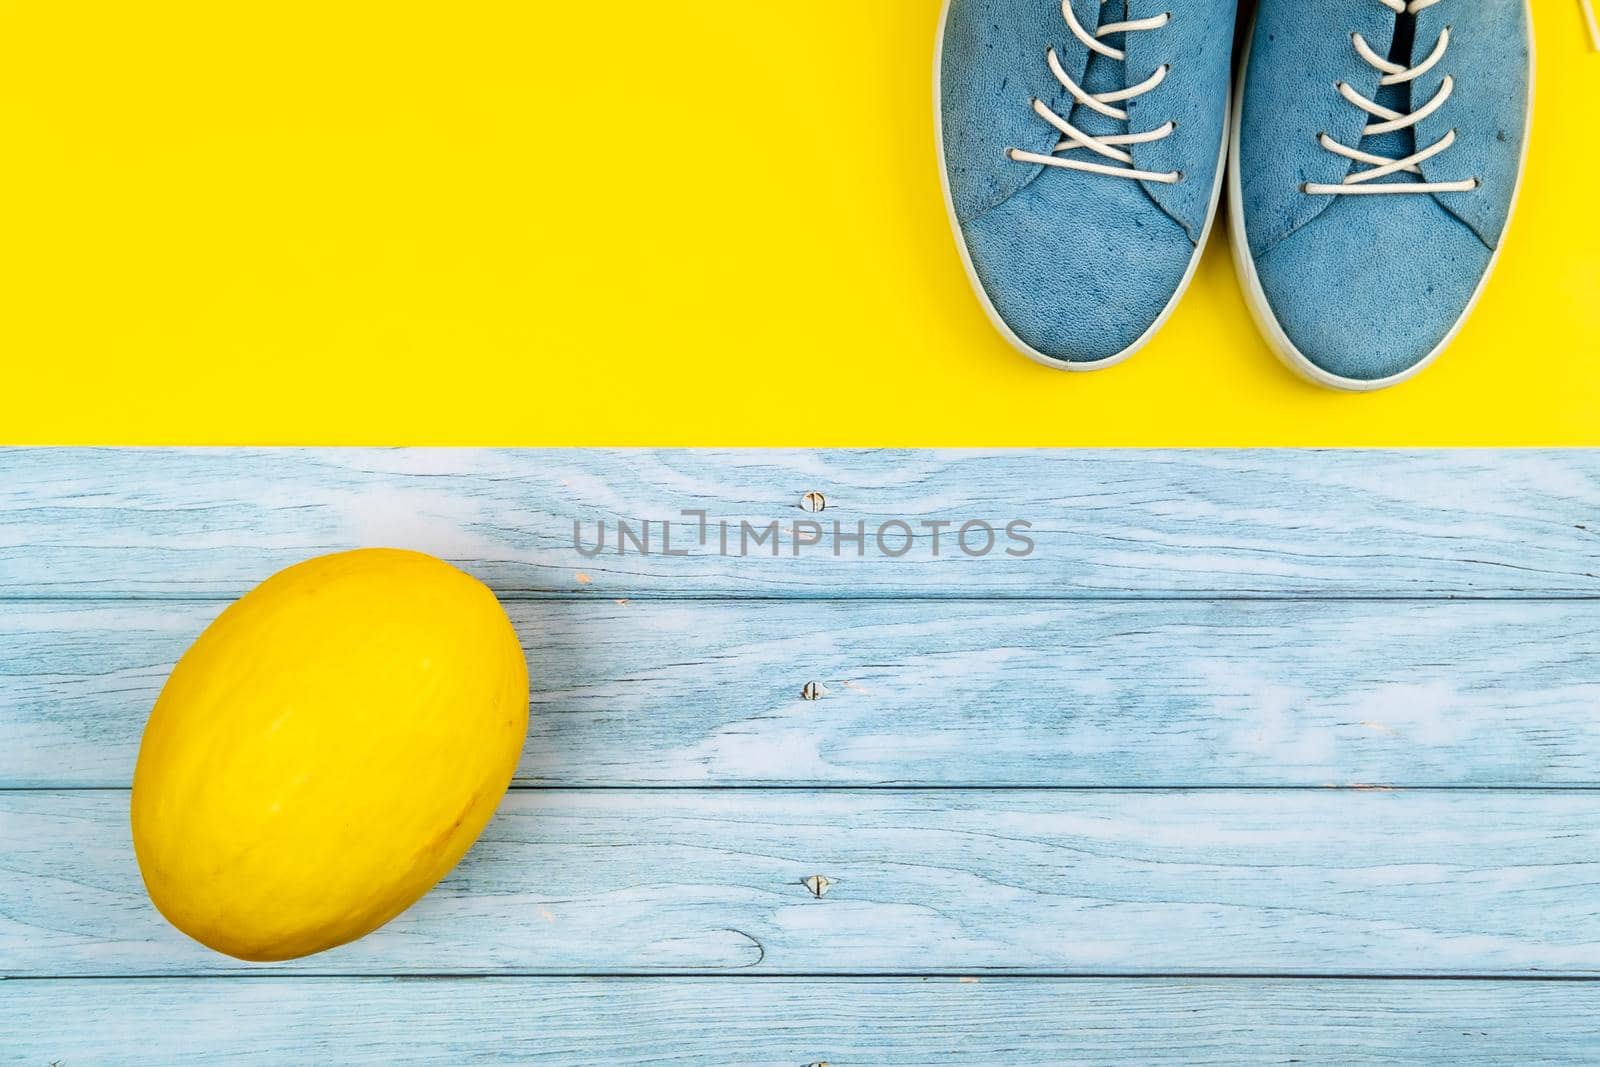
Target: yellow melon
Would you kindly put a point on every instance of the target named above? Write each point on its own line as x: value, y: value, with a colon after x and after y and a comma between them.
x: 326, y: 751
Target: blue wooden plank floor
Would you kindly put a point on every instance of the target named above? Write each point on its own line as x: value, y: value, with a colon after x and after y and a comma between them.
x: 1235, y: 757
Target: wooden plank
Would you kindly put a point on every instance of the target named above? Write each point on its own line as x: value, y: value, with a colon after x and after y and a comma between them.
x: 1104, y: 523
x: 790, y: 1022
x: 1253, y: 882
x: 984, y: 693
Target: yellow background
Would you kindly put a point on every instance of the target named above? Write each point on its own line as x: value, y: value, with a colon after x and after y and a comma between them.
x: 633, y: 222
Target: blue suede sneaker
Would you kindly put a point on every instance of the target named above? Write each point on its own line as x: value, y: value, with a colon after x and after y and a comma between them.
x: 1377, y: 151
x: 1082, y: 148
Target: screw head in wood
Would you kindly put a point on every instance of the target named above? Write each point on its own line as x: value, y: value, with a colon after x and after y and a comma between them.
x: 818, y: 884
x: 812, y: 691
x: 813, y: 501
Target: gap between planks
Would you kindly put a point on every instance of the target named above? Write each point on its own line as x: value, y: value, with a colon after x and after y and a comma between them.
x: 846, y: 787
x: 578, y: 596
x: 688, y: 976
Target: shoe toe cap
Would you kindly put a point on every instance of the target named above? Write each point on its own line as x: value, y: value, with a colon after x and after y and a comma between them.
x: 1078, y: 273
x: 1371, y: 288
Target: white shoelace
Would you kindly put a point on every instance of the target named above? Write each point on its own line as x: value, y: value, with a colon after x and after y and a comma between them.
x: 1104, y: 103
x: 1388, y: 120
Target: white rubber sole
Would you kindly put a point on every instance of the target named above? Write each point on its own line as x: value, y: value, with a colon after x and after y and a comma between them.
x: 966, y: 256
x: 1244, y: 263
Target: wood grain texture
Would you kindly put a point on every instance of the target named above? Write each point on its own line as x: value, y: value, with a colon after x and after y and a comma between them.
x: 1307, y: 882
x: 948, y: 693
x: 691, y: 1022
x: 1106, y: 524
x: 1234, y: 621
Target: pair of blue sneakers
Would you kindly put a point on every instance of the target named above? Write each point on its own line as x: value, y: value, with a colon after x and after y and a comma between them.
x: 1376, y: 148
